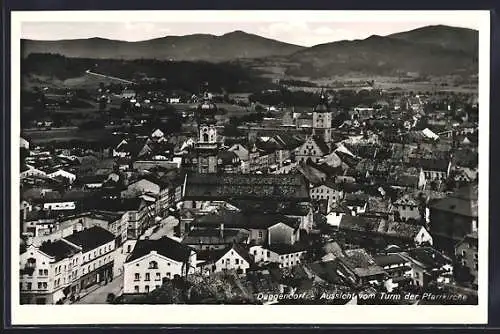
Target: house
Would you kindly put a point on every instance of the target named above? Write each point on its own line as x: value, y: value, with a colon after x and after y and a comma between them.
x: 329, y: 191
x: 32, y: 172
x: 363, y: 266
x: 453, y: 217
x: 314, y: 148
x: 210, y: 238
x: 56, y: 270
x: 64, y: 174
x: 235, y: 257
x: 105, y: 219
x: 396, y: 266
x: 127, y: 94
x: 260, y: 226
x: 97, y: 247
x: 284, y: 232
x: 274, y: 187
x: 141, y: 186
x: 407, y: 208
x: 466, y: 252
x: 429, y: 266
x: 92, y: 181
x: 285, y: 255
x: 433, y: 169
x: 357, y: 203
x: 154, y: 261
x: 48, y: 273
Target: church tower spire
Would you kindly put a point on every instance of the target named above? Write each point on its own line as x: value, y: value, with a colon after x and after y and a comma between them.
x: 322, y: 119
x: 207, y: 146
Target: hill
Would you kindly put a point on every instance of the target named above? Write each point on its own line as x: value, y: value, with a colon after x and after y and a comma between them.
x: 197, y: 47
x: 433, y: 50
x: 451, y: 38
x: 182, y: 75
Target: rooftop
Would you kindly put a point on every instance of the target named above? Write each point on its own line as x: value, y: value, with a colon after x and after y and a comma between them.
x: 246, y: 186
x: 165, y: 246
x: 58, y: 249
x: 91, y: 238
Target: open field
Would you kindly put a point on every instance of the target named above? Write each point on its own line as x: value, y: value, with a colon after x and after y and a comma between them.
x: 67, y: 134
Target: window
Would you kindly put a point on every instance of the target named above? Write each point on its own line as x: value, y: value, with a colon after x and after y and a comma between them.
x: 236, y: 261
x: 168, y: 275
x: 99, y: 263
x: 147, y: 277
x: 137, y: 277
x: 268, y: 254
x: 136, y: 289
x: 416, y: 275
x: 153, y: 265
x: 146, y: 288
x: 84, y: 258
x: 129, y: 248
x: 222, y: 261
x: 157, y: 277
x: 260, y: 234
x: 40, y: 272
x: 100, y: 251
x: 29, y: 286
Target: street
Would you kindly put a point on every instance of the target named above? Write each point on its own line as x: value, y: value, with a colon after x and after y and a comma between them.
x: 99, y: 295
x: 166, y: 228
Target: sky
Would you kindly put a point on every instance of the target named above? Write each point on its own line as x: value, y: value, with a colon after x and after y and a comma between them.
x: 298, y: 30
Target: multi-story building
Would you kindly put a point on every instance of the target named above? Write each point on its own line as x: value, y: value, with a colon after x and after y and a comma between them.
x: 56, y: 270
x: 154, y: 261
x: 466, y: 252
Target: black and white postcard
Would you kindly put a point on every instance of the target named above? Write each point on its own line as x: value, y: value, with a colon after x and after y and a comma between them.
x: 259, y: 167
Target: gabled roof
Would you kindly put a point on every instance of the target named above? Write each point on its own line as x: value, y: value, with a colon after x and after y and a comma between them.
x: 165, y: 246
x: 389, y: 259
x: 325, y: 149
x: 91, y: 238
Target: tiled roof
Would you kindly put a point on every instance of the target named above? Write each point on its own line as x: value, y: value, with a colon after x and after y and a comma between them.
x: 91, y: 238
x: 165, y: 246
x: 211, y: 236
x: 429, y: 257
x: 463, y: 202
x: 385, y: 260
x: 321, y: 145
x: 361, y: 263
x: 282, y: 249
x: 246, y: 186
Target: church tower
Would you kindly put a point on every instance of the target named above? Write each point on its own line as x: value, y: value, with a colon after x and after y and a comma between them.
x: 207, y: 146
x: 322, y: 120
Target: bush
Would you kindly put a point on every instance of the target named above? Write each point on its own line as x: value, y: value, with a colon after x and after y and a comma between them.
x: 110, y: 298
